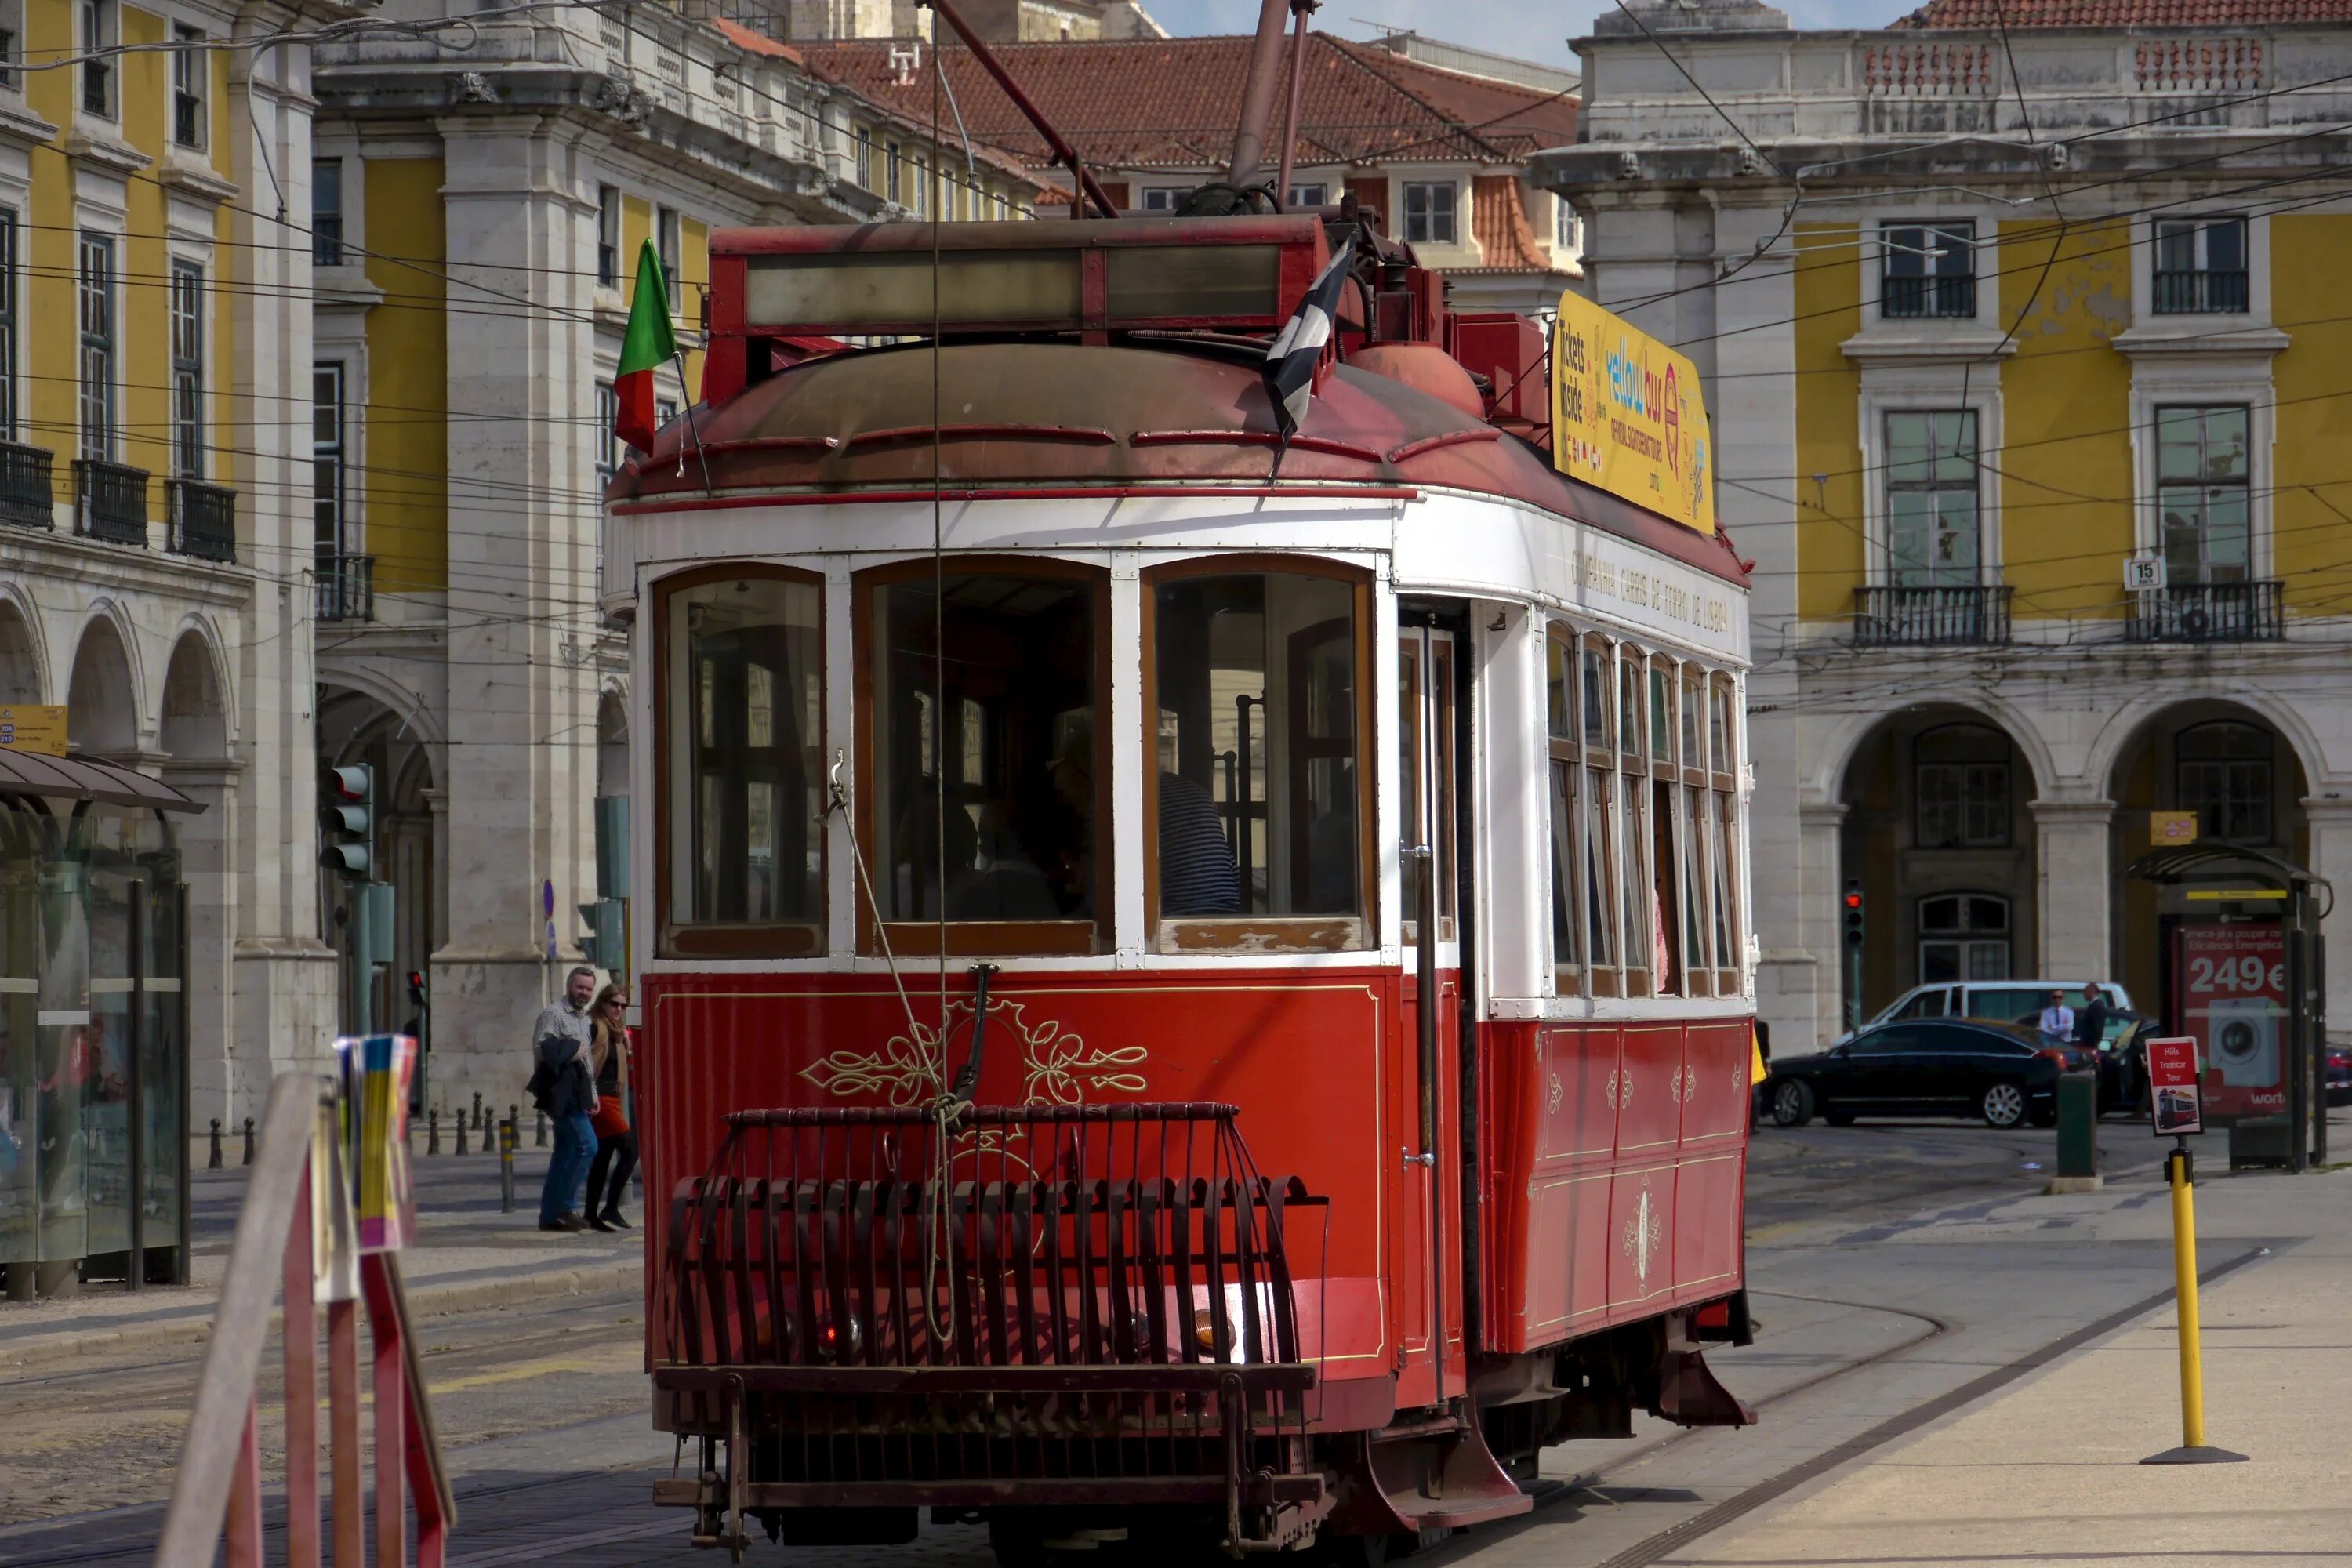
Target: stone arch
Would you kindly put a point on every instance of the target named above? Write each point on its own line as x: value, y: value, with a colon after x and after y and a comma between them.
x: 23, y: 669
x: 102, y: 706
x: 408, y: 710
x: 1834, y: 742
x: 1937, y: 802
x: 366, y: 720
x: 2129, y: 725
x: 196, y: 722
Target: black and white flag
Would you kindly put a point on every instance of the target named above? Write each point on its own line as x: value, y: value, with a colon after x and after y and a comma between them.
x: 1289, y: 370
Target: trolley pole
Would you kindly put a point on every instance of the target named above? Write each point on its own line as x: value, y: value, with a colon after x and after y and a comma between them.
x: 2180, y: 1171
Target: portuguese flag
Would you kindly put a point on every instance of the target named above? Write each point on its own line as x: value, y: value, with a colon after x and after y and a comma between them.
x: 648, y: 344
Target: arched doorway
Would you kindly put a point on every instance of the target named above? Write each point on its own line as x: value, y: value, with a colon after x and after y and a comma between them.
x: 20, y: 657
x: 356, y: 727
x: 1939, y: 834
x: 101, y: 700
x: 2246, y: 784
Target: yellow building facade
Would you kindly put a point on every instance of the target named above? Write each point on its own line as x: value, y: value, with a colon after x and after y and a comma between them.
x: 2031, y: 398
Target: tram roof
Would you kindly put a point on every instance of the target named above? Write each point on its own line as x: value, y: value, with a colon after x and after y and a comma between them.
x: 1153, y: 412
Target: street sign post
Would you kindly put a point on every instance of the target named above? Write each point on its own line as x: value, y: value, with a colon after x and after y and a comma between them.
x: 33, y: 727
x: 2175, y: 1094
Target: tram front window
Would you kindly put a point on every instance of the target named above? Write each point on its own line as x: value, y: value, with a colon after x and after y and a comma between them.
x: 1257, y: 680
x: 992, y: 750
x: 745, y: 859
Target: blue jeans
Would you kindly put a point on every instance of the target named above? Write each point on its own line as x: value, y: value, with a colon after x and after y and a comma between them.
x: 576, y: 1146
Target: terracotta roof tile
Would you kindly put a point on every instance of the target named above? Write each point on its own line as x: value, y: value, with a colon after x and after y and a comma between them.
x: 1173, y: 103
x: 1993, y: 14
x: 1499, y: 222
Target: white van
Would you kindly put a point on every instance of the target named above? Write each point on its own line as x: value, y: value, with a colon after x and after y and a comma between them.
x: 2003, y: 1002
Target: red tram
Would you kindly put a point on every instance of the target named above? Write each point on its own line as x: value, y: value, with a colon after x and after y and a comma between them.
x: 1188, y: 981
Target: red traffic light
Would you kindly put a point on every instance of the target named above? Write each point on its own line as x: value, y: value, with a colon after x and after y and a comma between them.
x: 1854, y: 901
x: 350, y: 783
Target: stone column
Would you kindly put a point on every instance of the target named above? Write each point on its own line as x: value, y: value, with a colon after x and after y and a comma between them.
x: 2329, y: 822
x: 519, y: 213
x: 1801, y: 988
x: 282, y: 985
x: 2076, y: 893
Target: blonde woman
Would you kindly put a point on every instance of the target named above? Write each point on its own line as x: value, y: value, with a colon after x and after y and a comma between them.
x: 617, y: 1145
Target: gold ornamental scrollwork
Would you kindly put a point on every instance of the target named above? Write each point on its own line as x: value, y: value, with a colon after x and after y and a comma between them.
x: 1058, y: 1067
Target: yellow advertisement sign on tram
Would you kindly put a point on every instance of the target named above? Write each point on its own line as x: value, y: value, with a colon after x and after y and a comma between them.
x: 1627, y: 416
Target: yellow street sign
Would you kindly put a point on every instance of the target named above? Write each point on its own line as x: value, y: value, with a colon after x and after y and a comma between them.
x: 33, y: 727
x: 2233, y: 895
x: 2171, y: 828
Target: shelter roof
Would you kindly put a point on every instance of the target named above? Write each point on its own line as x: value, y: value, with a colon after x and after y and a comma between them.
x: 24, y: 773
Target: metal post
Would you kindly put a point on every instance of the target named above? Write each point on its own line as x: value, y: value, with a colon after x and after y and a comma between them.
x: 248, y: 1140
x: 478, y: 1110
x: 182, y: 1265
x: 2299, y: 1044
x: 432, y: 1130
x: 506, y: 1165
x: 461, y: 1133
x: 2316, y: 1016
x: 2181, y: 1173
x: 135, y: 1084
x: 214, y: 1161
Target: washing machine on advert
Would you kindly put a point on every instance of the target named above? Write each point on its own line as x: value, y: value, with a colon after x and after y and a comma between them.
x: 2243, y: 1034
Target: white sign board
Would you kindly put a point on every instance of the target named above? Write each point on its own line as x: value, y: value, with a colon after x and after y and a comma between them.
x: 2144, y: 574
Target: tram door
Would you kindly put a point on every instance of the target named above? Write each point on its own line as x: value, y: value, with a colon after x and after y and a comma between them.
x: 1424, y: 1104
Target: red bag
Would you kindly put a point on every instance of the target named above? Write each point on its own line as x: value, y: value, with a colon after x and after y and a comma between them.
x: 611, y: 1119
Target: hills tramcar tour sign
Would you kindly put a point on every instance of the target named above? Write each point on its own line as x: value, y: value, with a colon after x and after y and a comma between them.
x: 1628, y: 415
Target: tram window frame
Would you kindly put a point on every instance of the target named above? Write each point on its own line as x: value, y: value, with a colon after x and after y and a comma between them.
x: 1253, y: 935
x: 676, y: 938
x: 1725, y: 863
x: 1582, y: 811
x: 1078, y: 937
x: 1638, y: 931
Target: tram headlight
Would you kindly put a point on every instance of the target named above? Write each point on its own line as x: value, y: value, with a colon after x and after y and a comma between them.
x: 1205, y: 1330
x: 839, y: 1340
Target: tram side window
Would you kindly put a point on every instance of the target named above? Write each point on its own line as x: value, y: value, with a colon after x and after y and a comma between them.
x: 1587, y: 805
x: 992, y: 750
x: 745, y: 784
x: 1259, y: 778
x: 1723, y: 763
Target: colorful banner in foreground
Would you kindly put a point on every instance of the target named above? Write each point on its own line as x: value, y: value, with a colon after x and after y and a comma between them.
x: 1628, y: 415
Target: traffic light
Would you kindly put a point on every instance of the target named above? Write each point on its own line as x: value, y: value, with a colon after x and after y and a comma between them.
x: 347, y: 821
x: 416, y: 988
x: 606, y: 943
x: 1854, y: 912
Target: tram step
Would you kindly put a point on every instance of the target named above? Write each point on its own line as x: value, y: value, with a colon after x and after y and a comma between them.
x: 1460, y: 1513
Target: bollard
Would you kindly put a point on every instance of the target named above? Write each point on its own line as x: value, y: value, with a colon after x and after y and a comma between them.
x: 539, y: 1139
x: 506, y: 1165
x: 2078, y: 1134
x: 248, y: 1140
x: 477, y: 1111
x: 214, y: 1164
x: 2179, y: 1171
x: 461, y: 1133
x: 432, y: 1130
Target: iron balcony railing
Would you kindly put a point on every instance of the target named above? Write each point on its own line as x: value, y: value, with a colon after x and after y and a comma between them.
x: 26, y: 497
x: 2210, y: 612
x: 2200, y: 293
x: 1948, y: 296
x: 346, y: 587
x: 202, y: 519
x: 110, y: 502
x: 1970, y: 614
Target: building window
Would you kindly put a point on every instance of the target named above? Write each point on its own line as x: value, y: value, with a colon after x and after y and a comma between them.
x: 96, y: 298
x: 922, y: 188
x: 2200, y: 267
x: 988, y: 792
x: 1932, y: 499
x: 665, y: 244
x: 1563, y: 229
x: 2203, y: 494
x: 665, y: 412
x: 1161, y: 198
x: 1429, y: 212
x: 1315, y: 194
x: 187, y: 369
x: 1963, y: 936
x: 327, y: 212
x: 98, y: 24
x: 11, y: 32
x: 864, y: 159
x: 190, y: 64
x: 8, y: 326
x: 2222, y: 772
x: 1928, y: 270
x: 1960, y: 787
x: 1259, y: 794
x: 608, y: 237
x: 608, y: 443
x: 326, y: 447
x: 890, y: 161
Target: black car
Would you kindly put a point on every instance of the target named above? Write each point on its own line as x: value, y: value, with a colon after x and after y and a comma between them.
x: 1932, y: 1066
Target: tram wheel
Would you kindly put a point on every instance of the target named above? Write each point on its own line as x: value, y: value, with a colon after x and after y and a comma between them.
x: 1792, y: 1103
x: 2003, y: 1104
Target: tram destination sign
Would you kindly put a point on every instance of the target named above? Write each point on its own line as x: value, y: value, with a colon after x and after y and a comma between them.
x: 2175, y: 1095
x: 1627, y: 415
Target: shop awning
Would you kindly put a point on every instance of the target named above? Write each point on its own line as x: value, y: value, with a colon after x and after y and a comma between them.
x: 86, y: 778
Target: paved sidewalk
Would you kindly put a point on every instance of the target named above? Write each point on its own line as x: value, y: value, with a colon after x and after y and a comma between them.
x: 469, y: 1256
x: 2047, y: 1471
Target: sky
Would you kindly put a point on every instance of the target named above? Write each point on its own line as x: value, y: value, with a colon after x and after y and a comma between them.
x: 1535, y: 32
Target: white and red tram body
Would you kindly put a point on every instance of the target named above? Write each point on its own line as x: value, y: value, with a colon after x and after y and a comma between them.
x: 1143, y: 736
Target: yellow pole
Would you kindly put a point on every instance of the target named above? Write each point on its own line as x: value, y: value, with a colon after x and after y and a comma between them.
x: 2184, y: 1276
